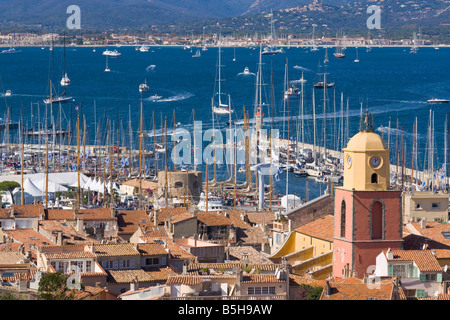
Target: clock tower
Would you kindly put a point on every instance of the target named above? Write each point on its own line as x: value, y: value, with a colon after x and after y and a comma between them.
x: 367, y: 212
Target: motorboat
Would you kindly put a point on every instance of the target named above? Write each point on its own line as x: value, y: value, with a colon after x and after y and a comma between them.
x: 292, y: 92
x: 320, y: 85
x: 214, y: 203
x: 436, y: 100
x: 65, y: 81
x: 8, y: 93
x: 11, y: 50
x: 112, y: 53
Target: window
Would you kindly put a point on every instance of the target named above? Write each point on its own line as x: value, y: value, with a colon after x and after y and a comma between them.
x: 435, y: 205
x: 151, y: 261
x: 260, y: 290
x: 374, y: 178
x: 343, y: 210
x: 420, y: 293
x: 80, y: 266
x: 400, y: 270
x: 278, y: 238
x: 417, y: 205
x: 107, y: 264
x: 127, y: 263
x: 377, y: 220
x: 430, y: 277
x: 178, y: 184
x: 88, y: 266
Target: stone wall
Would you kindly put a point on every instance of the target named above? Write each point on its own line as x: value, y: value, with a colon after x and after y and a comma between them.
x: 179, y: 183
x: 311, y: 211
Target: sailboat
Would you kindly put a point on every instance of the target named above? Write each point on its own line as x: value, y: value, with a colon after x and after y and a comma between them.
x: 415, y: 46
x: 197, y: 54
x: 220, y: 108
x: 107, y: 69
x: 271, y: 49
x: 65, y: 81
x: 357, y: 59
x: 204, y: 48
x: 314, y: 47
x: 325, y: 61
x: 339, y: 53
x: 143, y: 87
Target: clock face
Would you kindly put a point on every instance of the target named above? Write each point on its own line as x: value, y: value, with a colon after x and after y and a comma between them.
x: 375, y: 161
x: 349, y: 161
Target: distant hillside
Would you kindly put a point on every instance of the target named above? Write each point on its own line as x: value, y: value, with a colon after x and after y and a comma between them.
x: 234, y: 16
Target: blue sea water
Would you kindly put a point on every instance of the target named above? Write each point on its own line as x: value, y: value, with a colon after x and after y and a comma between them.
x: 389, y: 82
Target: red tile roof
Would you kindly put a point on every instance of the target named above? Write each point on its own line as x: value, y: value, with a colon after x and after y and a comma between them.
x: 213, y: 219
x: 424, y: 259
x: 129, y: 220
x: 322, y: 228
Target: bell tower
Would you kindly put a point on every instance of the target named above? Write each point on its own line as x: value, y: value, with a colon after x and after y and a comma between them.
x: 367, y: 212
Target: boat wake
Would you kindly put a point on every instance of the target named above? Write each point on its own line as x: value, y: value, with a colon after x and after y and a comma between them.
x: 303, y: 68
x: 246, y: 74
x: 178, y: 97
x: 150, y: 68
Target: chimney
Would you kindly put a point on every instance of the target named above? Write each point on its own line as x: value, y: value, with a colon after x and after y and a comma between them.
x: 11, y: 213
x: 423, y: 223
x: 185, y: 267
x: 79, y: 225
x: 98, y: 285
x: 134, y: 285
x: 36, y: 225
x: 155, y: 219
x: 59, y: 238
x: 389, y: 254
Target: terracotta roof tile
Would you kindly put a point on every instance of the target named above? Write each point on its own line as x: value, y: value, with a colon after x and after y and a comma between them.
x: 151, y: 249
x: 322, y: 228
x: 189, y: 280
x: 236, y: 220
x: 96, y: 214
x: 129, y: 220
x: 356, y: 289
x: 260, y: 278
x: 148, y: 275
x: 10, y: 257
x: 69, y: 255
x: 28, y: 211
x: 111, y: 250
x: 434, y: 235
x: 60, y: 214
x: 213, y: 219
x: 178, y: 252
x: 28, y: 237
x: 260, y: 218
x: 424, y: 259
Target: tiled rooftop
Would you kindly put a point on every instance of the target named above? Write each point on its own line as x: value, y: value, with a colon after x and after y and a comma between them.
x: 424, y: 259
x: 111, y: 250
x: 151, y: 249
x: 322, y: 228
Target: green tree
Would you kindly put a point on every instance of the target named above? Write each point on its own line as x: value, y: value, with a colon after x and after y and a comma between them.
x: 307, y: 292
x: 53, y: 286
x: 9, y: 186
